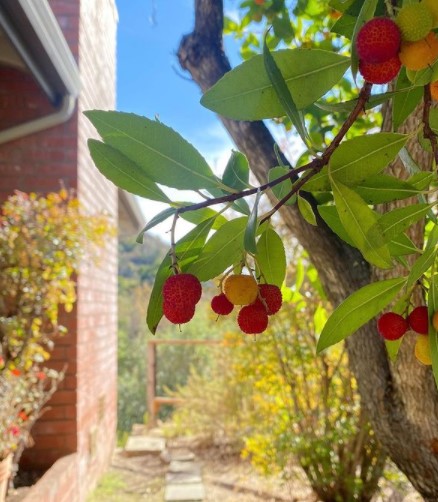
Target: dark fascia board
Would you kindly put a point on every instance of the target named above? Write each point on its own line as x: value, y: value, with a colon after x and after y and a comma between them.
x: 34, y: 31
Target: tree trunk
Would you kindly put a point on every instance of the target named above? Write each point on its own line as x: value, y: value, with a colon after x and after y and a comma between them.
x: 401, y: 399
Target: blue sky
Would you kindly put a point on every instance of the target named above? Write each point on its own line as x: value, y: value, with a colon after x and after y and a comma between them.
x: 150, y: 82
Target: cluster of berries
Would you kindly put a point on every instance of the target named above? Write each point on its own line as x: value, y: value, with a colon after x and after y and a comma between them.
x: 181, y: 293
x: 257, y: 301
x: 383, y: 44
x: 392, y: 326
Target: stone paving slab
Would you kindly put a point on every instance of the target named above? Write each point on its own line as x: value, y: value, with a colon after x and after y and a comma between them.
x: 187, y: 467
x: 175, y: 478
x: 193, y: 492
x: 142, y: 445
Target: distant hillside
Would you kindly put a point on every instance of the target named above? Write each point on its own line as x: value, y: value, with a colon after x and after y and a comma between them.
x: 139, y: 262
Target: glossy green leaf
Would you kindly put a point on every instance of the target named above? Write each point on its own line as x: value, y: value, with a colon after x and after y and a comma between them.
x: 271, y: 257
x: 156, y: 220
x: 123, y: 172
x: 283, y: 94
x: 364, y: 156
x: 360, y: 223
x: 398, y: 220
x: 344, y: 26
x: 223, y: 249
x: 382, y: 188
x: 246, y: 93
x: 187, y: 249
x: 249, y: 239
x: 421, y: 265
x: 157, y: 150
x: 330, y: 215
x: 236, y: 174
x: 205, y: 213
x: 306, y: 210
x: 404, y: 103
x: 283, y: 188
x: 357, y: 309
x: 402, y: 246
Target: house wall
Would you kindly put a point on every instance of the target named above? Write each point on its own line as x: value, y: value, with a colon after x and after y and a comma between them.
x: 82, y: 414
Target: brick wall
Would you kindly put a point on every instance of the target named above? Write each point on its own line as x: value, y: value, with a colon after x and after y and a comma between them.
x: 82, y: 415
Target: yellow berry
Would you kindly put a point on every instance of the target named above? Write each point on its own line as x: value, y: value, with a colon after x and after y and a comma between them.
x: 415, y: 21
x: 432, y: 7
x: 422, y: 350
x: 435, y: 321
x: 419, y: 55
x: 240, y: 289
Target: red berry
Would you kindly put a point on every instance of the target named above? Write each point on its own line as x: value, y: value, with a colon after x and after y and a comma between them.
x: 182, y: 289
x: 380, y: 73
x: 378, y: 40
x: 272, y: 296
x: 392, y: 326
x: 221, y: 305
x: 178, y: 314
x: 252, y: 319
x: 418, y: 320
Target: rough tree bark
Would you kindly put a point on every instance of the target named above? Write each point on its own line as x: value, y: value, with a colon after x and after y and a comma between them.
x: 401, y: 399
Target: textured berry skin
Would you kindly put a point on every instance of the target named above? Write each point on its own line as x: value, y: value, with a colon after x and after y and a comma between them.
x: 422, y: 350
x: 392, y: 326
x: 380, y: 73
x: 221, y: 305
x: 378, y: 40
x: 418, y: 320
x: 415, y: 21
x: 182, y: 289
x: 252, y: 319
x: 240, y: 289
x: 432, y: 6
x: 419, y: 55
x: 178, y: 314
x: 271, y: 294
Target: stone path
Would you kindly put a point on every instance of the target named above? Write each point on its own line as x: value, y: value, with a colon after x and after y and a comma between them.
x: 183, y: 478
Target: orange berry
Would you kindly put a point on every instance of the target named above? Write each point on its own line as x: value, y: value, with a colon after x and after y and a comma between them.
x: 240, y: 289
x: 422, y: 350
x: 420, y: 54
x: 434, y: 90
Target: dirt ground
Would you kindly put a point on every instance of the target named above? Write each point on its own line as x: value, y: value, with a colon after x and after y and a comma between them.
x: 226, y: 478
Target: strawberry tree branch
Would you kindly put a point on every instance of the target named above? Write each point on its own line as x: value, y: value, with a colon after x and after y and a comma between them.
x: 314, y: 166
x: 428, y: 132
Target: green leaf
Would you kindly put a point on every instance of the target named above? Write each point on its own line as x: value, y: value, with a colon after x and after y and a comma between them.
x: 187, y: 249
x: 401, y: 246
x: 271, y: 257
x: 306, y: 210
x: 205, y: 213
x: 422, y: 264
x: 357, y: 309
x: 382, y: 188
x: 283, y: 188
x: 156, y: 220
x: 404, y: 103
x: 246, y: 93
x: 283, y: 94
x: 330, y: 215
x: 236, y: 174
x: 398, y: 220
x: 249, y: 241
x: 123, y: 172
x: 344, y: 26
x: 360, y: 223
x: 157, y: 150
x: 239, y: 205
x: 364, y: 156
x: 223, y: 249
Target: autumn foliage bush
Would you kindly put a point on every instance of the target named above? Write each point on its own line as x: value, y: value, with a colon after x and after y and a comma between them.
x: 42, y: 242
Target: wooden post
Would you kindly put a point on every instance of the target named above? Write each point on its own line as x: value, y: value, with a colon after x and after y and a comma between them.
x: 151, y: 381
